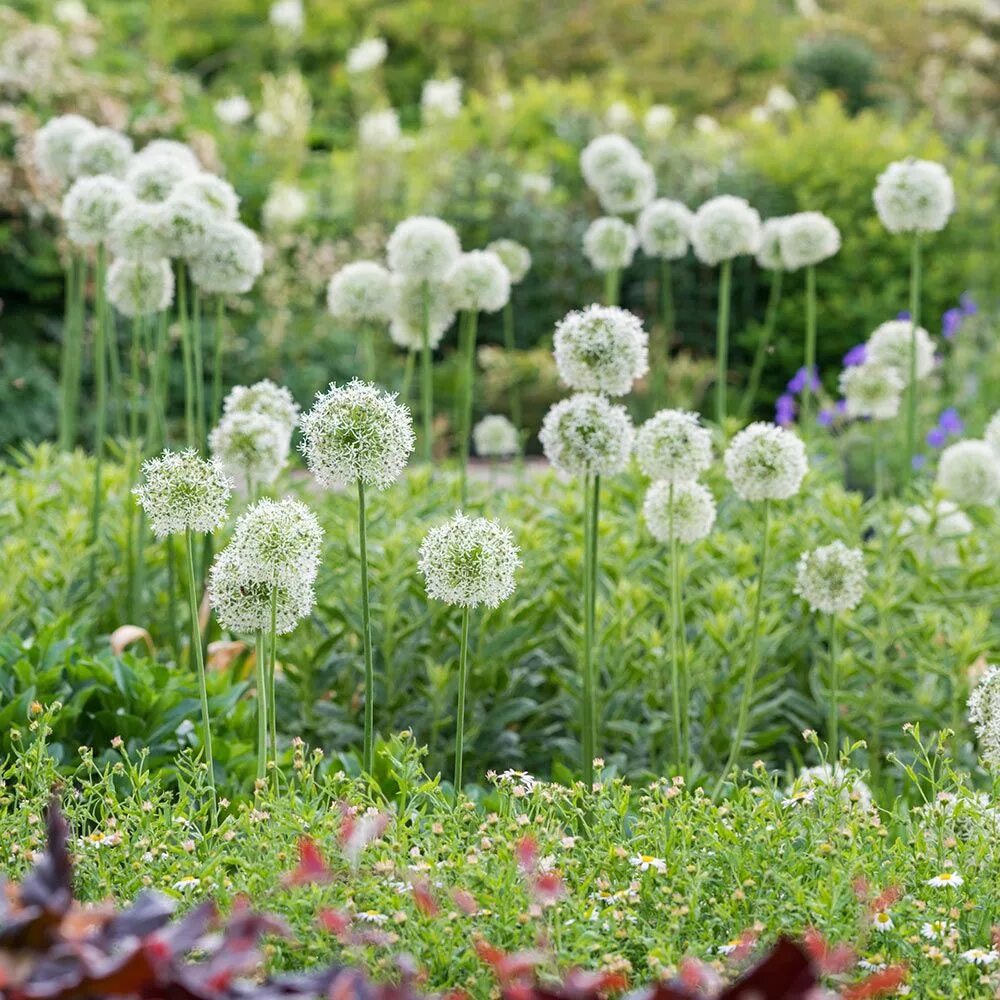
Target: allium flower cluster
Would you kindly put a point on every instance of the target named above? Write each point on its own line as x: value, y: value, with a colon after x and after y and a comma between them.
x: 286, y: 206
x: 984, y: 714
x: 154, y: 177
x: 278, y: 541
x: 658, y: 121
x: 406, y: 326
x: 181, y: 491
x: 185, y: 223
x: 140, y: 286
x: 664, y: 228
x: 101, y: 151
x: 495, y: 437
x: 515, y: 257
x: 601, y: 349
x: 422, y: 247
x: 274, y: 401
x: 626, y: 187
x: 252, y: 447
x: 831, y: 578
x: 807, y: 238
x: 587, y: 435
x: 605, y: 155
x: 366, y: 55
x: 478, y: 282
x: 360, y: 292
x: 139, y: 231
x: 380, y: 129
x: 214, y: 193
x: 90, y: 206
x: 766, y: 462
x: 54, y: 144
x: 170, y: 149
x: 673, y: 446
x: 935, y: 533
x: 229, y: 260
x: 969, y: 473
x: 356, y: 432
x: 610, y: 244
x: 768, y: 254
x: 914, y: 196
x: 892, y: 344
x: 872, y: 390
x: 723, y: 228
x: 469, y: 561
x: 441, y: 99
x: 685, y: 510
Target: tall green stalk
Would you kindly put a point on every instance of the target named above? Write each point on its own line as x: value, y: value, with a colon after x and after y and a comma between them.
x: 612, y: 287
x: 161, y: 380
x: 427, y: 375
x: 808, y: 392
x: 72, y: 352
x: 368, y: 759
x: 101, y: 404
x: 834, y: 724
x: 722, y: 340
x: 468, y: 382
x: 198, y: 350
x: 463, y: 681
x: 587, y: 715
x: 218, y: 345
x: 510, y: 344
x: 911, y: 389
x: 187, y: 355
x: 272, y: 706
x: 675, y: 666
x: 134, y: 449
x: 760, y: 355
x: 261, y: 672
x: 407, y: 387
x: 668, y: 322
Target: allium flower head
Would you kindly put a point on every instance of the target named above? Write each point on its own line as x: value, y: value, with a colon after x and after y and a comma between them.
x: 277, y: 541
x: 140, y: 286
x: 610, y: 244
x: 872, y: 390
x: 186, y: 221
x: 366, y: 55
x: 216, y: 194
x: 90, y: 206
x: 285, y: 208
x: 180, y: 490
x: 54, y: 144
x: 934, y: 534
x: 831, y: 578
x: 495, y: 437
x: 101, y: 151
x: 689, y: 515
x: 673, y: 446
x: 891, y: 344
x: 154, y: 178
x: 138, y: 231
x: 586, y: 434
x: 356, y: 432
x: 601, y: 349
x: 768, y: 254
x: 515, y: 257
x: 664, y: 229
x: 723, y: 228
x: 422, y: 247
x: 914, y: 196
x: 969, y: 473
x: 604, y: 155
x: 478, y: 282
x: 407, y: 311
x: 274, y: 401
x: 807, y: 238
x: 659, y: 121
x: 360, y: 292
x: 170, y: 149
x: 229, y: 260
x: 441, y: 99
x: 380, y: 129
x: 984, y: 714
x: 766, y: 462
x: 252, y: 447
x: 992, y: 433
x: 626, y: 187
x: 469, y: 561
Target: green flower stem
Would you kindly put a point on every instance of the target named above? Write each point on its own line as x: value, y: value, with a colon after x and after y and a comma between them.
x: 161, y: 383
x: 587, y: 735
x: 722, y: 341
x: 911, y: 389
x: 72, y: 353
x: 612, y: 287
x: 510, y: 345
x: 407, y: 387
x: 101, y: 404
x: 809, y: 393
x: 594, y: 563
x: 675, y: 670
x: 261, y: 670
x: 833, y: 734
x: 427, y: 376
x: 199, y: 657
x: 116, y: 390
x: 198, y: 351
x: 272, y: 708
x: 133, y: 537
x: 878, y: 467
x: 669, y: 324
x: 760, y: 355
x: 463, y: 679
x: 218, y: 345
x: 173, y: 616
x: 468, y: 381
x: 368, y: 344
x: 368, y: 760
x: 187, y: 356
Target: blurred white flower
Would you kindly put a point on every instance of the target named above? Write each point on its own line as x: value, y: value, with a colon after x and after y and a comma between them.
x: 723, y: 228
x: 233, y: 110
x: 252, y: 448
x: 90, y: 207
x: 288, y: 16
x: 610, y: 243
x: 892, y: 343
x: 478, y: 282
x: 766, y: 462
x: 831, y: 578
x: 604, y: 155
x: 55, y: 143
x: 768, y: 253
x: 587, y: 434
x: 659, y: 121
x: 807, y: 238
x: 441, y: 99
x: 274, y: 401
x: 914, y: 196
x: 672, y: 446
x: 229, y: 261
x: 683, y: 509
x: 422, y: 247
x: 619, y: 116
x: 780, y: 100
x: 969, y: 473
x: 495, y: 437
x: 367, y: 55
x: 406, y: 323
x: 935, y: 533
x: 140, y: 286
x: 286, y: 206
x: 515, y: 257
x: 872, y: 390
x: 99, y: 151
x: 601, y: 349
x: 379, y: 129
x: 664, y: 229
x: 360, y: 292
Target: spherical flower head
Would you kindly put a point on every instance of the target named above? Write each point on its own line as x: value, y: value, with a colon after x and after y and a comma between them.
x: 892, y: 344
x: 186, y: 222
x: 422, y: 247
x: 441, y: 99
x: 286, y: 206
x: 182, y: 491
x: 217, y: 195
x: 914, y: 196
x: 601, y: 349
x: 154, y: 178
x: 101, y: 151
x: 478, y: 282
x: 380, y: 129
x: 992, y: 433
x: 229, y: 260
x: 685, y: 510
x: 664, y: 228
x: 90, y: 206
x: 139, y: 231
x: 984, y: 714
x: 808, y: 238
x: 610, y: 244
x: 366, y: 55
x: 766, y: 462
x: 360, y: 292
x: 659, y: 121
x: 469, y: 561
x: 723, y: 228
x: 406, y: 326
x: 872, y: 390
x: 54, y: 144
x: 831, y: 578
x: 605, y: 154
x: 673, y: 446
x: 495, y: 437
x: 768, y: 254
x: 357, y: 432
x: 627, y: 187
x: 277, y: 541
x: 252, y: 448
x: 170, y: 149
x: 969, y: 473
x: 587, y: 434
x: 935, y: 533
x: 514, y: 256
x: 140, y: 286
x: 274, y: 401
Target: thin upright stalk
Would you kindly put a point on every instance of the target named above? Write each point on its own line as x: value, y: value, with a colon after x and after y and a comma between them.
x: 368, y: 347
x: 272, y: 706
x: 808, y: 392
x: 218, y: 344
x: 612, y: 287
x: 595, y: 516
x: 760, y: 355
x: 72, y: 353
x: 134, y: 536
x: 468, y: 382
x: 722, y: 341
x: 101, y: 404
x: 368, y: 759
x: 911, y: 389
x: 261, y: 671
x: 161, y: 391
x: 833, y: 733
x: 675, y: 666
x: 116, y: 393
x: 172, y: 616
x: 510, y: 344
x: 668, y: 323
x: 198, y: 350
x: 407, y: 387
x: 587, y: 714
x: 878, y: 467
x: 187, y: 355
x: 427, y: 376
x: 463, y: 681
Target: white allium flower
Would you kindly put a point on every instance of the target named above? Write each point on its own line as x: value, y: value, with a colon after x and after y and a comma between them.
x: 360, y: 292
x: 180, y: 490
x: 831, y: 578
x: 969, y: 472
x: 606, y: 154
x: 872, y: 390
x: 101, y: 151
x: 441, y: 99
x: 673, y: 446
x: 139, y: 231
x: 992, y: 433
x: 90, y: 206
x: 934, y: 534
x: 380, y: 129
x: 478, y: 282
x: 153, y: 178
x: 54, y: 144
x: 914, y: 196
x: 469, y: 561
x: 288, y: 15
x: 691, y: 515
x: 723, y: 228
x: 807, y: 238
x: 274, y: 401
x: 766, y: 462
x: 229, y: 259
x: 515, y: 257
x: 356, y: 432
x: 217, y: 195
x: 768, y: 254
x: 233, y: 110
x: 610, y: 244
x: 422, y: 247
x: 664, y: 228
x: 659, y: 121
x: 984, y: 714
x: 407, y: 312
x: 367, y: 55
x: 252, y: 447
x: 601, y: 349
x: 618, y: 116
x: 286, y: 206
x: 139, y: 286
x: 627, y: 187
x: 186, y: 222
x: 277, y: 542
x: 495, y: 437
x: 892, y: 344
x: 780, y: 100
x: 169, y: 149
x: 587, y: 434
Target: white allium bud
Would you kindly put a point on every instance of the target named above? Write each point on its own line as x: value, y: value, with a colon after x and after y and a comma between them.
x: 495, y: 437
x: 441, y: 99
x: 101, y: 151
x: 935, y: 533
x: 586, y: 434
x: 216, y: 194
x: 273, y: 401
x: 673, y: 446
x: 768, y: 254
x: 170, y: 149
x: 380, y: 129
x: 154, y: 178
x: 360, y: 292
x: 831, y: 578
x: 407, y: 314
x: 969, y: 472
x: 138, y: 231
x: 90, y: 206
x: 180, y: 490
x: 691, y: 515
x: 356, y: 432
x: 422, y: 247
x: 892, y: 344
x: 604, y: 155
x: 140, y: 286
x: 610, y: 244
x: 478, y: 282
x: 515, y: 257
x: 992, y: 433
x: 366, y: 55
x: 252, y: 447
x: 984, y: 714
x: 807, y: 238
x: 723, y: 228
x: 627, y: 187
x: 601, y: 349
x: 229, y: 259
x: 664, y: 229
x: 658, y: 122
x: 469, y: 561
x: 54, y: 144
x: 285, y: 208
x: 914, y: 196
x: 872, y: 390
x: 766, y: 462
x: 277, y: 542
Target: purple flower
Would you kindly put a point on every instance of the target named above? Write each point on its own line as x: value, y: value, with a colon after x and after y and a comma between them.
x: 841, y: 406
x: 855, y: 356
x: 784, y: 410
x: 803, y: 379
x: 968, y: 304
x: 903, y: 314
x: 825, y: 417
x: 936, y: 437
x: 919, y: 461
x: 951, y: 322
x: 950, y: 422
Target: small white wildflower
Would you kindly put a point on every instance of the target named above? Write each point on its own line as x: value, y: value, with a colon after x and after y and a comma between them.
x: 586, y: 434
x: 807, y: 239
x: 495, y: 437
x: 610, y: 244
x: 380, y: 129
x: 478, y: 282
x: 360, y: 292
x: 658, y: 121
x: 673, y: 446
x: 154, y: 178
x: 441, y: 99
x: 601, y: 349
x: 422, y: 247
x: 936, y: 930
x: 274, y: 401
x: 91, y: 206
x: 980, y: 956
x: 180, y: 490
x: 969, y: 473
x: 252, y: 448
x: 229, y: 260
x: 277, y: 542
x: 138, y: 231
x: 882, y: 921
x: 831, y: 578
x: 140, y: 286
x: 646, y: 862
x: 872, y: 390
x: 891, y: 344
x: 187, y: 884
x: 945, y: 880
x: 407, y: 312
x: 664, y: 229
x: 684, y: 509
x: 54, y: 143
x: 723, y: 228
x: 515, y: 257
x: 914, y: 196
x: 285, y: 207
x: 766, y: 462
x: 768, y: 254
x: 233, y: 110
x: 101, y: 151
x: 984, y: 714
x: 366, y: 55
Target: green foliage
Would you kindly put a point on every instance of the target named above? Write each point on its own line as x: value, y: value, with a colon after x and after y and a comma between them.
x: 847, y: 66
